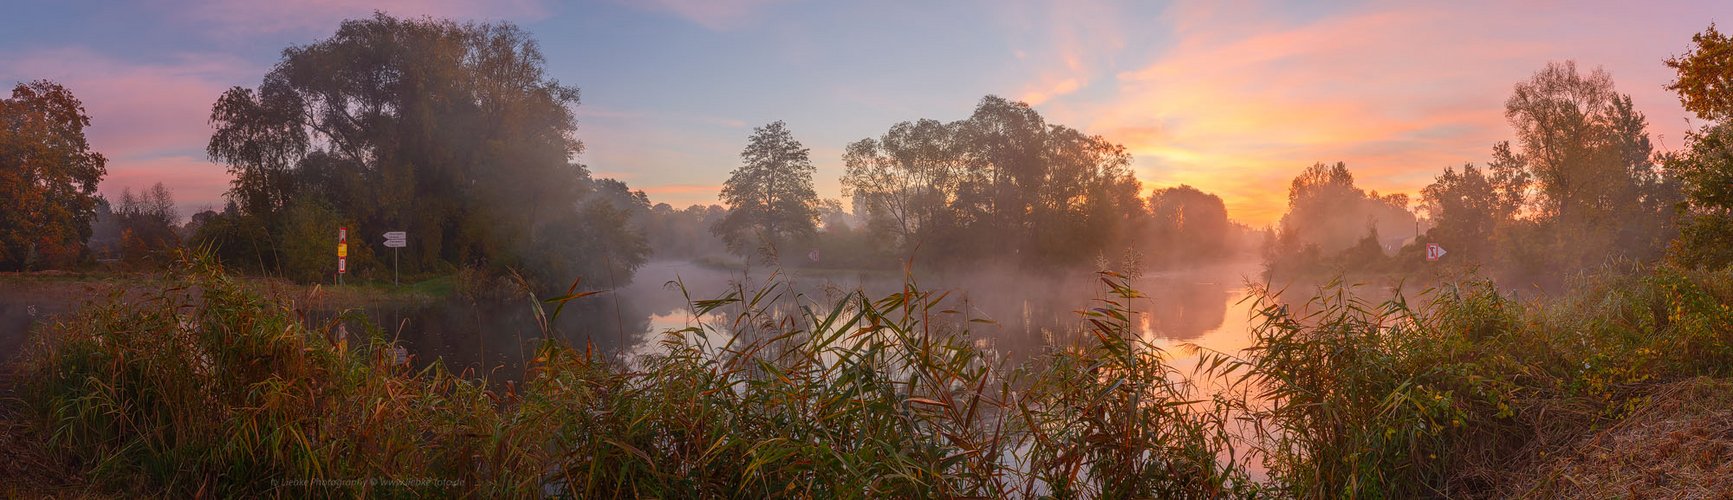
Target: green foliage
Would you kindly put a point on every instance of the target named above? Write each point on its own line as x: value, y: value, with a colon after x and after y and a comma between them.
x: 308, y: 247
x: 1361, y: 399
x: 48, y: 177
x: 684, y: 233
x: 468, y: 147
x: 240, y: 241
x: 1596, y: 192
x: 1468, y: 208
x: 770, y: 198
x: 1001, y: 184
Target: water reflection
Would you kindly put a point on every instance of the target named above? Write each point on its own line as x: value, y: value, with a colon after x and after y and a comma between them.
x: 1026, y: 314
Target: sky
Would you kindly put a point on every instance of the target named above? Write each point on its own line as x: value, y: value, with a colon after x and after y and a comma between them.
x: 1232, y: 97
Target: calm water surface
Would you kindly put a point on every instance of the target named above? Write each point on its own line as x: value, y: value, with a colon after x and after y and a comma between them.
x: 1203, y: 307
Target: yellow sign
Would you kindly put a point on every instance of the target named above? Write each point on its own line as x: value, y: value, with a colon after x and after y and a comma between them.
x: 342, y: 249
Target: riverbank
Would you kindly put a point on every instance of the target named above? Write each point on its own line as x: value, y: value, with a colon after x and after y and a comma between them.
x: 1464, y: 392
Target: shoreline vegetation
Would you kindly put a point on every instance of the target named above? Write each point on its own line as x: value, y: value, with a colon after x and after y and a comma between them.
x: 1457, y: 391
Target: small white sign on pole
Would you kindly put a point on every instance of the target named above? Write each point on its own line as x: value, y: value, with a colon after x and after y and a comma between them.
x: 395, y: 240
x: 1434, y: 252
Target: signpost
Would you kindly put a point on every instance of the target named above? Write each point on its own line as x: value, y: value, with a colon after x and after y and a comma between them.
x: 395, y: 240
x: 342, y: 253
x: 1434, y: 252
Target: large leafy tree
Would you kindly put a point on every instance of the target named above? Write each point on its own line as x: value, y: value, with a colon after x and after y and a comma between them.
x: 1597, y: 191
x: 770, y: 197
x: 1705, y: 168
x: 904, y: 178
x: 1001, y: 183
x: 48, y: 176
x: 450, y: 131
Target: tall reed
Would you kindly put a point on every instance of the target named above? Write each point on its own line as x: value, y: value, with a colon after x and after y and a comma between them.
x: 209, y: 388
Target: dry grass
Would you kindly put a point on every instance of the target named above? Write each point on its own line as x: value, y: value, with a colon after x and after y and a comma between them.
x: 1677, y: 445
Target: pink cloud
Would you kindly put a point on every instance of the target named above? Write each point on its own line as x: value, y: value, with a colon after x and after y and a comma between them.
x: 188, y: 177
x: 150, y: 120
x: 1080, y: 39
x: 138, y: 109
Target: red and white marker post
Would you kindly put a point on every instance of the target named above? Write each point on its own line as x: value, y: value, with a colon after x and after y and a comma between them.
x: 342, y: 253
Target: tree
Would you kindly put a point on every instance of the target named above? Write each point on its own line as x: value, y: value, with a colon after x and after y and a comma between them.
x: 903, y: 180
x: 147, y: 225
x: 451, y: 132
x: 1705, y: 168
x: 684, y: 234
x: 1330, y: 220
x: 1706, y: 173
x: 1001, y: 183
x: 1466, y: 209
x: 1188, y: 225
x: 770, y: 197
x: 1705, y: 81
x: 1588, y: 154
x: 48, y: 176
x: 1326, y: 209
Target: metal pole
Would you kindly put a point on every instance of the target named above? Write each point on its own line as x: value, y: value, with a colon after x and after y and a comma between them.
x: 393, y: 266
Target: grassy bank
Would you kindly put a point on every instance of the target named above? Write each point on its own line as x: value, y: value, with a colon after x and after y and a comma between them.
x: 1471, y: 392
x: 231, y: 394
x: 1466, y: 393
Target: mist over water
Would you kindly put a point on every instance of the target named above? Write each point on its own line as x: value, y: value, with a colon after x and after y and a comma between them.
x: 1022, y: 314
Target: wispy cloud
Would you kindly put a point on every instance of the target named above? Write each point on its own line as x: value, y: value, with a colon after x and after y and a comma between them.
x: 1245, y: 96
x: 1077, y: 41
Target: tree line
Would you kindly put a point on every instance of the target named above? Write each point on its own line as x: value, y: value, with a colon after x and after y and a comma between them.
x: 1579, y: 185
x: 1002, y: 185
x: 454, y: 133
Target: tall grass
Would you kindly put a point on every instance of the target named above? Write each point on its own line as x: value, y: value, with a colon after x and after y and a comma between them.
x: 1356, y: 399
x: 208, y: 388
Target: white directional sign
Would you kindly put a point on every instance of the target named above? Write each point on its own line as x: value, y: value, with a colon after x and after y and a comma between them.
x: 395, y: 240
x: 1433, y: 252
